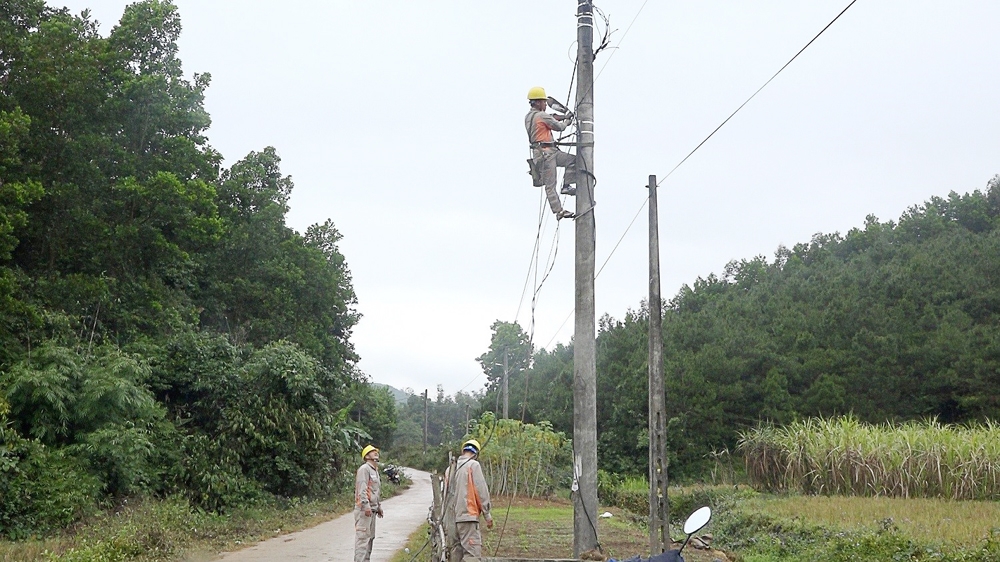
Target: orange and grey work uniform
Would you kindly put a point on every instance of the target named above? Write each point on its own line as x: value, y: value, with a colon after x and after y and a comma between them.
x: 472, y: 498
x: 547, y: 156
x: 367, y: 487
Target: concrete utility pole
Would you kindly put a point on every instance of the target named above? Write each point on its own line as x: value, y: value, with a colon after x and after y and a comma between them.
x: 659, y: 508
x: 425, y: 420
x: 584, y: 339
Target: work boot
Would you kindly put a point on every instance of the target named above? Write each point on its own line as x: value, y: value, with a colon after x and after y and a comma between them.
x: 568, y: 190
x: 564, y: 214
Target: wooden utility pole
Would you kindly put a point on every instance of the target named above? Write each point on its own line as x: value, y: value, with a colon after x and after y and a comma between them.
x: 659, y: 507
x: 584, y: 339
x: 425, y: 420
x: 506, y: 389
x: 468, y: 429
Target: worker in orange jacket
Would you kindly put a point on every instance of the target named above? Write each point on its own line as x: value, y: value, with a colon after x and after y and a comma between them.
x: 545, y: 155
x: 472, y: 498
x: 367, y: 504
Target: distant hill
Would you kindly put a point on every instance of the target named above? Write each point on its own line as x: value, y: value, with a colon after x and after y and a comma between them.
x: 400, y: 396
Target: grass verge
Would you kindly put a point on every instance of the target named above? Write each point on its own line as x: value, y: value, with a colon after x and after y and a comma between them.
x: 160, y: 530
x: 417, y: 547
x: 753, y: 527
x: 544, y: 529
x: 841, y: 529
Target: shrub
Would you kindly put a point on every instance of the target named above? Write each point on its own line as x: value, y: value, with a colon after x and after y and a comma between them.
x: 251, y: 421
x: 632, y: 493
x: 209, y: 475
x: 97, y: 406
x: 41, y: 489
x: 120, y: 455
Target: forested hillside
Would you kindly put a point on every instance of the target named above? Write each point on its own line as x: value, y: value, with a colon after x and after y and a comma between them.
x: 892, y: 321
x: 162, y: 330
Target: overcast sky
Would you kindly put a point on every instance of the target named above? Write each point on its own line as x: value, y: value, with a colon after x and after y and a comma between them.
x: 403, y: 123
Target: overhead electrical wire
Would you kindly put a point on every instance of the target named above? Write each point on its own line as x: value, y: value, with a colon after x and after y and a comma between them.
x: 553, y: 251
x: 550, y: 264
x: 615, y: 49
x: 757, y: 92
x: 568, y: 97
x: 474, y: 379
x: 533, y: 262
x: 661, y: 180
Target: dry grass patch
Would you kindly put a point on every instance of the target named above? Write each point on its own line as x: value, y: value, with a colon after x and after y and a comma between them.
x: 958, y: 522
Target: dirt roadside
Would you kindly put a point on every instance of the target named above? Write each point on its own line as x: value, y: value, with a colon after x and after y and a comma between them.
x: 333, y: 541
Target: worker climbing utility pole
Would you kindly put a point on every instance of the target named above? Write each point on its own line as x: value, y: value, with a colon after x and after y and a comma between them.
x: 584, y: 339
x: 659, y: 507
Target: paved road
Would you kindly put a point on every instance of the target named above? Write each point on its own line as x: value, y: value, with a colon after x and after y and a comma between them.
x: 333, y: 541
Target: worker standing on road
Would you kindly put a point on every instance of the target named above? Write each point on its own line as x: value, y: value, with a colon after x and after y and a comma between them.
x: 544, y: 152
x: 367, y: 487
x: 472, y: 498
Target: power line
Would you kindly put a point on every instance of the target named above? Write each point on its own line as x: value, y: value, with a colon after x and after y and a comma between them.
x: 646, y: 200
x: 613, y: 51
x: 641, y: 207
x: 568, y: 316
x: 468, y: 383
x: 757, y: 92
x: 601, y: 71
x: 533, y: 260
x: 616, y: 47
x: 568, y: 94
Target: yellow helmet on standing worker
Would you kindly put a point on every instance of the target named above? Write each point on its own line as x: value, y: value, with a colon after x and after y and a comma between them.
x: 537, y: 93
x: 472, y: 445
x: 366, y: 450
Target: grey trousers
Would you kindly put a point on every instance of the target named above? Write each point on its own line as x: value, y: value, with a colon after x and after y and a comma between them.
x: 469, y: 541
x: 364, y: 535
x: 547, y: 160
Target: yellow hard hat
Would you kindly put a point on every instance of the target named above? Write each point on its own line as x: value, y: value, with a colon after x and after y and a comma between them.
x: 366, y: 450
x: 471, y: 443
x: 537, y: 93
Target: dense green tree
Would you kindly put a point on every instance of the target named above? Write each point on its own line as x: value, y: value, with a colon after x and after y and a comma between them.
x: 892, y: 321
x: 375, y: 410
x: 551, y: 398
x: 115, y: 144
x: 264, y: 281
x: 446, y: 418
x: 162, y: 330
x: 510, y: 349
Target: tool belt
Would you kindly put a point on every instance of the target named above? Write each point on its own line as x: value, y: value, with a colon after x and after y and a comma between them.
x: 543, y: 145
